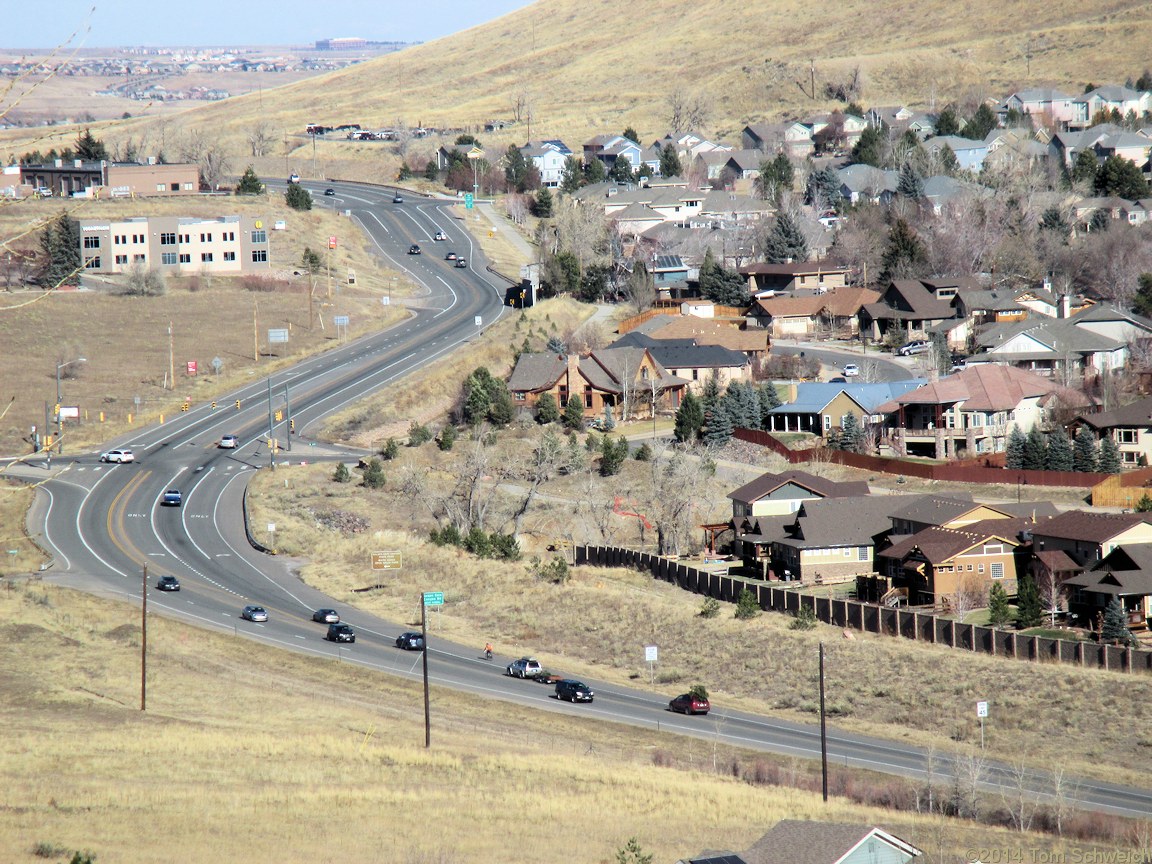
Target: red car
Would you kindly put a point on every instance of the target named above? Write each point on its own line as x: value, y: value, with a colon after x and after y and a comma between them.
x: 688, y: 704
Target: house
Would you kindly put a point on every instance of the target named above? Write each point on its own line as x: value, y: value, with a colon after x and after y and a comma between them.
x: 1124, y: 573
x: 969, y: 153
x: 821, y: 407
x: 722, y: 208
x: 1089, y: 537
x: 668, y: 270
x: 887, y: 115
x: 831, y: 538
x: 1126, y: 145
x: 974, y: 410
x: 609, y: 148
x: 175, y: 244
x: 696, y: 364
x: 936, y: 511
x: 913, y: 305
x: 795, y: 316
x: 1052, y: 347
x: 1122, y: 100
x: 1044, y: 301
x: 451, y: 153
x: 817, y: 276
x: 549, y: 157
x: 689, y: 145
x: 1114, y: 322
x: 611, y: 381
x: 671, y: 202
x: 1129, y: 426
x: 866, y: 183
x: 781, y: 494
x: 753, y: 343
x: 745, y: 165
x: 981, y: 306
x: 794, y: 139
x: 803, y: 842
x: 1047, y: 106
x: 1065, y: 146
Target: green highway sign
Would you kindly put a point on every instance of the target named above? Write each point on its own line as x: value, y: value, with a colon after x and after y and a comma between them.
x: 468, y: 199
x: 433, y: 598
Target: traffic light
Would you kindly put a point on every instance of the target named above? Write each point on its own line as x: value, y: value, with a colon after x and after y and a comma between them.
x: 213, y: 406
x: 279, y: 416
x: 237, y: 404
x: 185, y: 407
x: 56, y: 411
x: 291, y: 426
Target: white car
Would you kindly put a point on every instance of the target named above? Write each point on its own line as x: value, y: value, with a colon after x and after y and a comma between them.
x: 440, y: 235
x: 850, y: 370
x: 118, y: 456
x: 228, y: 442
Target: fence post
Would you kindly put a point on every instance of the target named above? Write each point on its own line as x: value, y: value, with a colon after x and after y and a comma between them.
x: 1128, y: 659
x: 951, y: 634
x: 1034, y: 648
x: 1080, y: 654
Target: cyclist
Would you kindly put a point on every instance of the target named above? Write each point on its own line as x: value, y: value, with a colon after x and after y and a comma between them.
x: 487, y: 650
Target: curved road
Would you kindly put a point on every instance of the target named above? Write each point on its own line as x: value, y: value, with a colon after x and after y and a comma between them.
x: 104, y: 523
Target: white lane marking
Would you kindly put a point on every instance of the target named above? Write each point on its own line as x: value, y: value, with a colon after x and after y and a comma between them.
x: 455, y: 299
x: 48, y: 521
x: 80, y: 533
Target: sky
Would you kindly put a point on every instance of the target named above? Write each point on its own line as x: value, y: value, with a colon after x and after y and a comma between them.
x: 248, y: 22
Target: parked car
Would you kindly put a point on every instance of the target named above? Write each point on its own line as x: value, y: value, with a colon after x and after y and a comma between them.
x: 254, y: 613
x: 168, y: 583
x: 397, y: 199
x: 839, y: 379
x: 451, y: 256
x: 850, y: 370
x: 329, y: 191
x: 172, y: 498
x: 340, y: 633
x: 326, y: 616
x: 525, y: 667
x: 686, y: 703
x: 461, y: 262
x: 439, y: 235
x: 228, y: 442
x: 916, y: 346
x: 118, y: 456
x: 413, y: 249
x: 573, y: 691
x: 410, y: 641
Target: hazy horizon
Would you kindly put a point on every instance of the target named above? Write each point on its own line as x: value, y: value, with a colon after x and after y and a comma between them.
x: 128, y: 23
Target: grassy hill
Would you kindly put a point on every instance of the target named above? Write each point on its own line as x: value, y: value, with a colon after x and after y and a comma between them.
x: 590, y: 65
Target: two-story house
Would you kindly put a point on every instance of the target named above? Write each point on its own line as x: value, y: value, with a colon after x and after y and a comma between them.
x: 609, y: 148
x: 549, y: 158
x: 820, y: 408
x: 1129, y: 426
x: 1088, y: 537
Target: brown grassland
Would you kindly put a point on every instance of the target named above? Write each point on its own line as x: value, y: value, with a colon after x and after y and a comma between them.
x: 290, y: 758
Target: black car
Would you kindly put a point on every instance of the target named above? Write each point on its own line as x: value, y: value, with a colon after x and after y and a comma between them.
x: 573, y: 691
x: 329, y: 192
x: 168, y: 583
x: 413, y: 249
x: 340, y: 633
x: 410, y: 641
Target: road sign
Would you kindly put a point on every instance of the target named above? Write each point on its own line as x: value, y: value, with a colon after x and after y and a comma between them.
x: 217, y: 365
x: 433, y: 598
x: 277, y: 335
x: 391, y: 560
x: 340, y: 320
x: 271, y: 527
x: 479, y: 321
x: 192, y: 367
x: 650, y: 653
x: 981, y: 709
x: 468, y: 200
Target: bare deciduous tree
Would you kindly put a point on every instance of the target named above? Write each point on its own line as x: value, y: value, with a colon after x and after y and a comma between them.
x: 687, y: 111
x: 538, y: 467
x: 1018, y: 798
x: 260, y: 138
x: 971, y: 593
x: 676, y: 481
x: 517, y: 208
x: 967, y: 778
x: 581, y: 228
x: 521, y: 108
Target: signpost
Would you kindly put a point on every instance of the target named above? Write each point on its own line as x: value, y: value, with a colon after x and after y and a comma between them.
x: 389, y: 560
x: 428, y: 598
x: 651, y: 652
x: 469, y: 200
x: 981, y: 712
x: 433, y: 598
x: 341, y: 321
x: 278, y: 336
x: 192, y: 367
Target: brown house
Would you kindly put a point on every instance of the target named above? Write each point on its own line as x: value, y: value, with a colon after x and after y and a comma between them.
x: 619, y: 382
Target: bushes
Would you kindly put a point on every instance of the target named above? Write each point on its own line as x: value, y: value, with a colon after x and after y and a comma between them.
x: 710, y: 608
x: 747, y: 606
x: 555, y: 571
x: 803, y: 619
x: 342, y: 474
x: 418, y: 434
x: 502, y: 547
x: 374, y: 474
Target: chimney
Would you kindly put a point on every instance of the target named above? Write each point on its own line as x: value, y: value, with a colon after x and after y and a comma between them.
x: 77, y: 163
x: 1064, y: 308
x: 59, y: 163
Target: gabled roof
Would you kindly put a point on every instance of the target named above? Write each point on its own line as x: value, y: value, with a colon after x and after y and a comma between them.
x: 867, y: 178
x: 1031, y: 509
x: 1125, y: 571
x: 912, y: 300
x: 1056, y: 335
x: 1111, y: 312
x: 537, y: 372
x: 984, y: 387
x: 1138, y: 413
x: 709, y: 332
x: 799, y: 842
x: 851, y: 521
x: 847, y: 301
x: 808, y: 306
x: 1111, y: 93
x: 938, y: 544
x: 795, y: 268
x: 1088, y: 527
x: 955, y: 143
x: 936, y: 509
x: 821, y: 488
x: 678, y: 356
x: 814, y: 397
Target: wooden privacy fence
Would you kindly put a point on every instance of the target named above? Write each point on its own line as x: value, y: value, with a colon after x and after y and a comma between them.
x: 1122, y: 490
x: 873, y: 617
x: 953, y: 472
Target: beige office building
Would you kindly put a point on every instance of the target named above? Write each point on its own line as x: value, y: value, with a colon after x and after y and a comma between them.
x: 65, y: 178
x: 175, y: 244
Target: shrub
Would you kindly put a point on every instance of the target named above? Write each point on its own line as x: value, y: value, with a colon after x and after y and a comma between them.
x: 698, y: 691
x: 803, y: 618
x: 447, y: 438
x: 710, y: 608
x: 643, y: 453
x: 449, y: 535
x: 390, y: 450
x: 478, y: 543
x: 746, y: 605
x: 342, y: 475
x: 374, y: 474
x: 504, y: 547
x: 418, y: 434
x: 555, y: 571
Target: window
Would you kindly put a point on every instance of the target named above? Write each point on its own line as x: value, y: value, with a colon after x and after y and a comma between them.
x: 644, y: 374
x: 228, y: 236
x: 229, y: 256
x: 187, y: 187
x: 206, y: 257
x: 847, y: 552
x: 160, y: 187
x: 167, y: 257
x: 185, y: 238
x: 969, y: 568
x: 168, y: 238
x: 139, y: 259
x: 980, y: 569
x: 993, y: 548
x: 862, y: 553
x: 121, y: 259
x: 185, y: 258
x: 92, y: 263
x: 175, y: 187
x: 259, y: 256
x: 260, y: 236
x: 519, y: 396
x: 205, y: 238
x: 695, y: 374
x: 1125, y: 436
x: 117, y: 239
x: 91, y: 242
x: 137, y: 238
x: 827, y: 422
x: 997, y: 571
x: 587, y: 398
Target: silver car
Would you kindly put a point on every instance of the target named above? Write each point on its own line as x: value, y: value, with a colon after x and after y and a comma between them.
x: 326, y: 616
x: 525, y: 667
x: 118, y: 456
x: 254, y: 613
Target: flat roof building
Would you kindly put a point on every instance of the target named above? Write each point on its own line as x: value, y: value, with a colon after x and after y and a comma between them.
x: 175, y: 244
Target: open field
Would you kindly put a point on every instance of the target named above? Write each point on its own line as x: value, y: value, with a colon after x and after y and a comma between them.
x: 296, y: 759
x: 125, y: 339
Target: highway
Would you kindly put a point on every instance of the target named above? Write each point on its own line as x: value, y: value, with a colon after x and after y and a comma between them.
x: 103, y: 524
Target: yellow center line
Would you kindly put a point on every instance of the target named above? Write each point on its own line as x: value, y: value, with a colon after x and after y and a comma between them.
x: 115, y: 523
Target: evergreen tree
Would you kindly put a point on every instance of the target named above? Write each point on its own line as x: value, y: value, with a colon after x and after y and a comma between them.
x: 405, y: 172
x: 670, y: 161
x: 1029, y: 609
x: 1085, y: 167
x: 776, y: 177
x: 90, y: 148
x: 249, y: 183
x: 342, y: 475
x: 1115, y: 625
x: 631, y: 135
x: 1084, y: 453
x: 981, y: 123
x: 1053, y: 220
x: 1144, y: 505
x: 822, y: 189
x: 502, y: 410
x: 1035, y: 450
x: 769, y: 399
x: 547, y: 411
x: 1014, y: 451
x: 574, y: 413
x: 785, y: 242
x: 60, y: 242
x: 447, y: 438
x: 311, y: 261
x: 948, y: 123
x: 431, y: 172
x: 297, y: 197
x: 911, y: 184
x: 851, y: 434
x: 718, y: 426
x: 720, y: 285
x: 374, y: 474
x: 390, y: 450
x: 949, y: 164
x: 477, y: 392
x: 571, y: 176
x: 542, y: 204
x: 556, y: 346
x: 621, y: 170
x: 1121, y: 177
x: 1059, y: 451
x: 1110, y: 461
x: 515, y: 168
x: 870, y: 148
x: 612, y: 455
x: 711, y: 395
x: 998, y: 612
x: 594, y: 171
x: 1142, y: 301
x: 904, y: 256
x: 689, y: 419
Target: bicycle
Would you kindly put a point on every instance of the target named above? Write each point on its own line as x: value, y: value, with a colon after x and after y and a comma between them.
x: 487, y: 652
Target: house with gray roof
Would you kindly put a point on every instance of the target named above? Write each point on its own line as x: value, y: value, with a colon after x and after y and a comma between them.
x: 866, y: 183
x: 1125, y: 574
x: 1050, y: 347
x: 1110, y: 97
x: 913, y: 305
x: 1129, y: 427
x: 1046, y: 105
x: 803, y: 842
x: 970, y: 154
x: 794, y: 139
x: 549, y: 158
x: 696, y: 364
x: 609, y: 148
x: 780, y: 494
x: 832, y: 539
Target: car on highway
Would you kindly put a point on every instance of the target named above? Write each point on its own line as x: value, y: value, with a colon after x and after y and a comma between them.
x: 414, y: 249
x: 228, y: 442
x: 329, y: 192
x: 916, y: 346
x: 340, y: 633
x: 451, y: 256
x: 168, y: 583
x: 410, y: 641
x: 525, y: 667
x: 118, y: 456
x: 850, y: 370
x: 254, y: 613
x: 326, y: 616
x: 397, y: 199
x: 573, y: 691
x: 172, y: 498
x: 461, y: 262
x: 439, y: 235
x: 293, y: 178
x: 686, y: 703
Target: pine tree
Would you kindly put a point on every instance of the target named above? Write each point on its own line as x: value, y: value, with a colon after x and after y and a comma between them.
x: 594, y: 171
x: 769, y: 399
x: 851, y: 434
x: 947, y: 123
x: 547, y: 411
x: 904, y: 256
x: 1035, y: 450
x: 1029, y: 610
x: 249, y: 183
x: 477, y: 396
x: 297, y: 197
x: 718, y: 426
x: 1059, y: 451
x: 612, y: 455
x: 621, y: 170
x: 689, y: 419
x: 1115, y: 626
x: 89, y: 148
x: 711, y: 394
x: 574, y: 413
x: 502, y: 409
x: 981, y: 123
x: 374, y: 474
x: 822, y: 189
x: 60, y: 242
x: 342, y: 474
x: 1109, y: 457
x: 1142, y: 301
x: 720, y: 285
x: 870, y: 148
x: 670, y: 161
x: 911, y: 184
x: 998, y: 612
x: 1014, y: 452
x: 785, y: 242
x: 1084, y: 455
x: 447, y: 438
x: 571, y: 175
x: 542, y: 205
x: 431, y: 171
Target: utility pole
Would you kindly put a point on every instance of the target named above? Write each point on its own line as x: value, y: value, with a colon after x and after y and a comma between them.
x: 144, y: 639
x: 171, y: 359
x: 288, y: 419
x: 823, y: 732
x: 255, y: 333
x: 271, y: 434
x: 424, y: 639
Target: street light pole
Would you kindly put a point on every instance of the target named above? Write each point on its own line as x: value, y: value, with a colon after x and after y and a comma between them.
x: 59, y: 419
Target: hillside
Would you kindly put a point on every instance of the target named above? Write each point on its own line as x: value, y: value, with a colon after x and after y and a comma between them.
x: 586, y: 65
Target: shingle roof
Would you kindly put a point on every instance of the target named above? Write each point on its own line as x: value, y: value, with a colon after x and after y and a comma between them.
x: 843, y: 302
x: 938, y: 544
x: 1060, y: 335
x: 799, y: 842
x: 1126, y: 570
x: 935, y: 510
x: 796, y: 268
x: 851, y: 521
x: 793, y: 307
x: 708, y: 332
x: 980, y: 388
x: 766, y: 483
x: 1032, y: 509
x: 1089, y: 527
x: 1138, y: 413
x: 537, y: 372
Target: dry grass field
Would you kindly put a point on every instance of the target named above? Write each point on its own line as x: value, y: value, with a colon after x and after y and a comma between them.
x: 125, y: 339
x: 295, y: 759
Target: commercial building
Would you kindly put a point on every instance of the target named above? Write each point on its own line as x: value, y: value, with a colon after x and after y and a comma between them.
x: 65, y: 178
x: 175, y: 244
